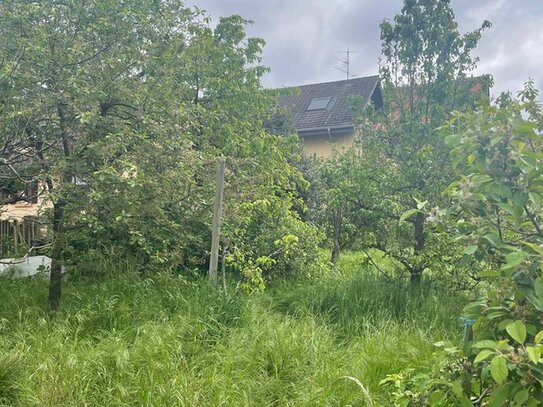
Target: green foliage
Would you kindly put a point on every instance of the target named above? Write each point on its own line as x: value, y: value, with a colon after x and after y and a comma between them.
x: 496, y: 216
x: 498, y: 210
x: 263, y: 226
x: 426, y: 60
x: 122, y: 108
x: 403, y: 164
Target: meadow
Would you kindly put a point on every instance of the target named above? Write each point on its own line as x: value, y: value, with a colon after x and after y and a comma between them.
x: 171, y: 340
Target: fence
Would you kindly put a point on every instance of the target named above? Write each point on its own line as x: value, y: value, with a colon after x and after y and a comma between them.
x: 19, y: 235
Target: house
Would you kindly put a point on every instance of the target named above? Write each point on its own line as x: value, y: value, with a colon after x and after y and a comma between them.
x: 21, y: 223
x: 322, y: 113
x: 32, y: 203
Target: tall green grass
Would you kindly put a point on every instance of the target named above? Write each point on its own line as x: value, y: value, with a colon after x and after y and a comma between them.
x: 164, y: 340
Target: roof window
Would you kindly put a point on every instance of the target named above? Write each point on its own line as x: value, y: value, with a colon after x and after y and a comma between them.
x: 319, y: 103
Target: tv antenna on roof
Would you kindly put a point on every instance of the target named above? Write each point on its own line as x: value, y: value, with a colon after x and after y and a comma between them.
x: 346, y: 62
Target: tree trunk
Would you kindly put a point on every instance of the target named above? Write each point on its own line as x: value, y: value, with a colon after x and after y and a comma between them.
x: 415, y: 276
x: 55, y: 282
x: 337, y: 231
x: 216, y: 231
x: 420, y: 240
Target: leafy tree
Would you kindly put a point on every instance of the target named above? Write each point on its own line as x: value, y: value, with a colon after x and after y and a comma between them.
x: 404, y: 164
x: 77, y: 77
x: 121, y: 109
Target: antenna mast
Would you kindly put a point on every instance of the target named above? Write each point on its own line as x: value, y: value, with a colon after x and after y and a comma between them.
x: 346, y: 62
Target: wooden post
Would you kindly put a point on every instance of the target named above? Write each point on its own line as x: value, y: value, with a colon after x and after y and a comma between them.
x: 216, y: 234
x: 24, y: 237
x: 15, y: 237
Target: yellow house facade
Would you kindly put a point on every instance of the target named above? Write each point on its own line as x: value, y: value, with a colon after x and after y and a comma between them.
x: 323, y: 146
x: 323, y: 116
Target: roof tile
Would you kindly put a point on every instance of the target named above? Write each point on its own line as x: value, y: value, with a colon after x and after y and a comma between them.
x: 337, y: 113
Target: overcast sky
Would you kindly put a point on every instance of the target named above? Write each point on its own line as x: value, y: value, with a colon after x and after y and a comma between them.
x: 303, y: 37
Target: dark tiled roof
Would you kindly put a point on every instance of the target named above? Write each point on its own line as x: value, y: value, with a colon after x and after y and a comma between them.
x: 337, y: 113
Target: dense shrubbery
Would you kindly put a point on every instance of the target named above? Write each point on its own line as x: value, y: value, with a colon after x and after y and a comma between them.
x: 123, y: 113
x: 497, y: 217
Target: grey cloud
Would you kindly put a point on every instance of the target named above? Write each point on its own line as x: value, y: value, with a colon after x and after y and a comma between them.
x: 303, y: 37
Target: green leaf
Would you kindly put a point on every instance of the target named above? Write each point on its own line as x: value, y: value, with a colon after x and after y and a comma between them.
x: 483, y: 355
x: 499, y: 396
x: 437, y: 398
x: 493, y: 239
x: 534, y: 354
x: 535, y: 300
x: 538, y: 288
x: 535, y: 200
x: 517, y: 215
x: 506, y: 207
x: 514, y: 259
x: 470, y: 250
x: 502, y: 191
x: 521, y: 397
x: 408, y: 214
x: 497, y: 314
x: 489, y: 273
x: 503, y: 324
x: 480, y: 179
x: 517, y: 331
x: 534, y: 247
x: 539, y: 337
x: 488, y: 344
x: 520, y: 199
x: 498, y: 369
x: 456, y: 388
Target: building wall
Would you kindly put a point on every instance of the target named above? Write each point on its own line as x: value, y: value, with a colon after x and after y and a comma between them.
x: 324, y: 146
x: 21, y: 209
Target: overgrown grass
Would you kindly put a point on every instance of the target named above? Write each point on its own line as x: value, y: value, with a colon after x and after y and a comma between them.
x: 168, y: 341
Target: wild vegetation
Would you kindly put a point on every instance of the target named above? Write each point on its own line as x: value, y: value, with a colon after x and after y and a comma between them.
x: 433, y: 294
x: 164, y: 340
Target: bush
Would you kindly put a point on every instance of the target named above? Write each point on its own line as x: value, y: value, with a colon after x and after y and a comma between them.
x: 497, y: 216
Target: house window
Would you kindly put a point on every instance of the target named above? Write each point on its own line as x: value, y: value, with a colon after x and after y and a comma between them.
x: 319, y: 103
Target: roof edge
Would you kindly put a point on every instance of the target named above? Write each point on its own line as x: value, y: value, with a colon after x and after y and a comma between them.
x: 326, y: 82
x: 328, y: 130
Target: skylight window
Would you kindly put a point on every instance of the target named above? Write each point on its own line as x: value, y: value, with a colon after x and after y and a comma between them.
x: 318, y: 103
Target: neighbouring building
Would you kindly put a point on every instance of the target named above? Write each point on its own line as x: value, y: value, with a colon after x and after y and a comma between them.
x: 33, y: 204
x: 22, y: 225
x: 322, y: 113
